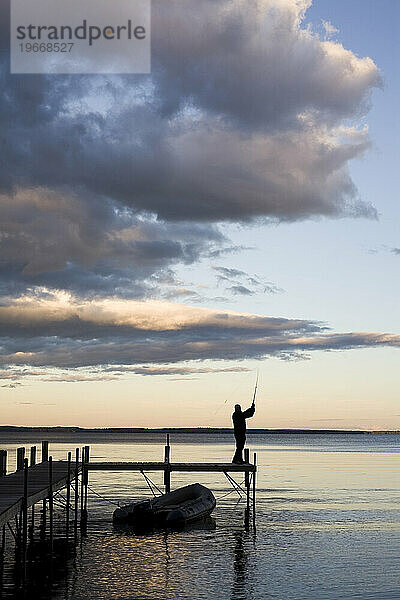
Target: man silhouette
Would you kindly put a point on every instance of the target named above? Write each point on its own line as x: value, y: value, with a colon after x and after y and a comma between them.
x: 239, y: 429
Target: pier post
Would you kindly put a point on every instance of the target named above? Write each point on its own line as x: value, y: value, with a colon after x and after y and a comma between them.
x: 44, y: 519
x: 3, y: 463
x: 45, y: 458
x: 33, y: 456
x: 20, y: 458
x: 24, y: 514
x: 247, y: 486
x: 83, y: 515
x: 51, y: 507
x: 86, y: 476
x: 68, y: 496
x: 86, y: 482
x: 254, y: 490
x: 167, y: 468
x: 2, y: 556
x: 76, y: 495
x: 82, y: 480
x: 32, y: 463
x: 3, y: 543
x: 45, y: 451
x: 246, y: 460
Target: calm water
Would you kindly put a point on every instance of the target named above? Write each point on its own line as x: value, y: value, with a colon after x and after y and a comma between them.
x: 328, y: 526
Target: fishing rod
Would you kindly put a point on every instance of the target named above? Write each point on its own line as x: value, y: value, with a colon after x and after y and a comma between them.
x: 255, y: 388
x: 234, y: 392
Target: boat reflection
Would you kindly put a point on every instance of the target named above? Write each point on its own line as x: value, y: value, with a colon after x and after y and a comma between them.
x: 205, y: 524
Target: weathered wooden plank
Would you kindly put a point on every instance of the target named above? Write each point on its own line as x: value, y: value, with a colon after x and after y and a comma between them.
x: 11, y: 487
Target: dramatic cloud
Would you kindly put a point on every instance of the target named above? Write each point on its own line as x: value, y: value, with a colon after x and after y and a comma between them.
x: 108, y: 184
x: 244, y: 115
x: 58, y: 240
x: 66, y: 333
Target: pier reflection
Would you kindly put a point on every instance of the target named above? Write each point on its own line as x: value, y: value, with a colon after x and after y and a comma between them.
x: 240, y: 569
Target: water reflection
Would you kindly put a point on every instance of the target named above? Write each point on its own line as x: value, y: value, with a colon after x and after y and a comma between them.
x: 46, y: 572
x: 240, y: 569
x: 328, y: 528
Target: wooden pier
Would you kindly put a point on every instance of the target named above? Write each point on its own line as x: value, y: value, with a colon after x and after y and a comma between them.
x: 35, y: 482
x: 249, y: 469
x: 11, y: 487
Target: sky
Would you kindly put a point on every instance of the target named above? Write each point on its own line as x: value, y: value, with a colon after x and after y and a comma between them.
x: 166, y: 236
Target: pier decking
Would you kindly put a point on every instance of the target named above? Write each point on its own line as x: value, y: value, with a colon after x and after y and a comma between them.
x: 12, y: 486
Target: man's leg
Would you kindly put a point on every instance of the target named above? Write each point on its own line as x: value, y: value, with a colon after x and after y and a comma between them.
x: 240, y: 442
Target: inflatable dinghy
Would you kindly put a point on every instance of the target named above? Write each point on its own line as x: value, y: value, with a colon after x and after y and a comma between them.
x: 177, y: 508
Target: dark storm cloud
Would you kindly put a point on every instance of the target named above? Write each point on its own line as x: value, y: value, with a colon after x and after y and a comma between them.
x: 57, y: 240
x: 241, y: 118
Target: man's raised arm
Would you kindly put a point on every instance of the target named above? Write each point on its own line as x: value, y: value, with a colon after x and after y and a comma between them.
x: 250, y: 411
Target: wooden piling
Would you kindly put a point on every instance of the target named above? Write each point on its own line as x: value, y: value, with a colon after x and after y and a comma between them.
x: 45, y: 458
x: 3, y: 463
x: 247, y: 486
x: 51, y: 506
x: 45, y: 451
x: 86, y: 482
x: 20, y: 458
x: 32, y: 463
x: 167, y: 468
x: 3, y: 543
x: 24, y: 515
x: 76, y: 496
x: 44, y: 519
x: 83, y: 520
x: 68, y: 496
x: 33, y: 456
x: 254, y: 489
x: 82, y: 481
x: 246, y: 460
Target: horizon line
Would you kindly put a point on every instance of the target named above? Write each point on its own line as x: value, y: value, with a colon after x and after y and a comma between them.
x: 120, y: 429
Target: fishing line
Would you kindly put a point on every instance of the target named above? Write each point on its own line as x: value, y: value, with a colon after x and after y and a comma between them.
x: 229, y: 397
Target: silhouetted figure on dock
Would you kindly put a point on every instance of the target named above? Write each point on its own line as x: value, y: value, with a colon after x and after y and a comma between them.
x: 239, y: 429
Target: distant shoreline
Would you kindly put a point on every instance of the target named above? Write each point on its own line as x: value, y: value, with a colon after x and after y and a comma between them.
x: 71, y: 430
